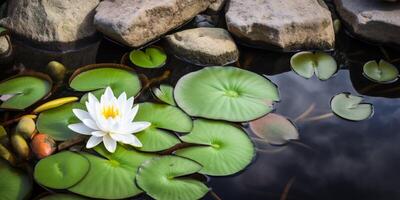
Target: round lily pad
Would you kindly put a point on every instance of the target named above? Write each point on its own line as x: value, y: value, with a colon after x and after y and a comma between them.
x: 111, y: 177
x: 62, y: 170
x: 54, y: 122
x: 350, y: 107
x: 274, y: 129
x: 16, y: 94
x: 225, y: 93
x: 164, y: 178
x: 307, y: 63
x: 383, y: 72
x: 223, y: 148
x: 95, y: 78
x: 63, y: 197
x: 162, y: 118
x: 165, y: 93
x: 151, y: 57
x: 14, y: 184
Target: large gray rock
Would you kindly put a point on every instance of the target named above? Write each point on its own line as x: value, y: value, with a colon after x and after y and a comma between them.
x: 285, y: 24
x: 138, y: 22
x: 217, y: 5
x: 204, y: 46
x: 373, y: 19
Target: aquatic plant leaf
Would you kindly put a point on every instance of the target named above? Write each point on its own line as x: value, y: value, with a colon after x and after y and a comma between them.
x: 63, y: 197
x: 163, y: 178
x: 165, y: 93
x: 383, y: 72
x: 225, y: 93
x: 3, y: 132
x: 18, y: 95
x: 274, y: 129
x: 350, y: 107
x: 54, y: 122
x: 14, y: 184
x: 111, y: 177
x: 162, y: 117
x: 61, y: 170
x: 307, y: 63
x: 225, y: 149
x: 152, y: 57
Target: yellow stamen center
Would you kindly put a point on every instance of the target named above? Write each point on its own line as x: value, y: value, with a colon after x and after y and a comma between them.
x: 110, y: 112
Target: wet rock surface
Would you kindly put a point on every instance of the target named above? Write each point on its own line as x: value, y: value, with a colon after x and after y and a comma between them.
x: 4, y: 45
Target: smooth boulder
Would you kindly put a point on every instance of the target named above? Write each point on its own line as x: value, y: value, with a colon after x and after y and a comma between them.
x: 217, y: 5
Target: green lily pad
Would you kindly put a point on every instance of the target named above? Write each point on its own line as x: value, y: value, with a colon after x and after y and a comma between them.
x: 63, y: 197
x: 307, y: 63
x: 350, y: 107
x: 164, y: 178
x: 225, y: 93
x: 224, y: 149
x: 14, y: 184
x: 62, y: 170
x: 54, y: 122
x: 383, y: 72
x: 111, y: 177
x: 16, y: 94
x: 96, y: 78
x: 152, y: 57
x: 165, y: 93
x: 274, y: 129
x: 162, y: 118
x: 3, y: 31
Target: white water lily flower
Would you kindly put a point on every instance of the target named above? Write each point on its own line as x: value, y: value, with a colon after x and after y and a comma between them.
x: 109, y: 121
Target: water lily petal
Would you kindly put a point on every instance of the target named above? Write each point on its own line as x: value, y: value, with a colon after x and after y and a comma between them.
x: 109, y: 143
x: 98, y: 133
x: 130, y: 102
x: 91, y: 105
x: 135, y: 127
x: 81, y: 114
x: 80, y: 128
x: 93, y: 141
x: 127, y: 139
x: 131, y: 114
x: 90, y: 123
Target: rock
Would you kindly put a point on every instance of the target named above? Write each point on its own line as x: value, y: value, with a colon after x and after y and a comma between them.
x: 4, y: 45
x: 373, y: 20
x: 135, y: 24
x: 217, y: 5
x: 204, y: 46
x: 285, y: 24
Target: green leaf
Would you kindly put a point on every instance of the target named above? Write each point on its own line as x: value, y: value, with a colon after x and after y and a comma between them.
x: 112, y: 177
x: 18, y: 95
x: 163, y: 178
x: 307, y: 63
x: 63, y: 197
x: 350, y: 107
x: 165, y: 93
x: 152, y: 57
x: 162, y: 117
x: 14, y: 184
x: 62, y: 170
x: 225, y: 93
x: 224, y: 149
x: 3, y: 132
x: 383, y: 72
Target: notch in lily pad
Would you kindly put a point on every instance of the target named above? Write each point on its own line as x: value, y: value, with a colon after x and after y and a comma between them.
x: 307, y: 63
x: 151, y: 57
x: 165, y: 93
x: 350, y: 107
x: 382, y: 72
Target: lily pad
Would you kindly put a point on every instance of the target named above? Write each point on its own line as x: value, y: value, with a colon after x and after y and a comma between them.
x: 164, y: 178
x: 14, y: 184
x: 275, y: 129
x: 165, y: 93
x: 16, y: 94
x: 350, y: 107
x: 225, y: 93
x: 63, y: 197
x: 383, y: 72
x: 111, y: 177
x: 152, y: 57
x: 54, y: 122
x: 307, y: 63
x: 162, y: 118
x: 224, y: 149
x: 62, y: 170
x: 95, y: 78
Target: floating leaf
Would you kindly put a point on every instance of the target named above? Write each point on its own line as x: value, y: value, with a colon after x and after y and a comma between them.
x: 165, y: 93
x: 112, y: 177
x: 307, y: 63
x: 62, y: 170
x: 383, y: 72
x: 225, y: 149
x: 63, y: 197
x: 3, y: 31
x: 23, y: 91
x: 350, y: 107
x: 3, y: 132
x: 54, y: 104
x: 275, y: 129
x: 225, y: 93
x: 162, y: 117
x: 14, y: 184
x: 152, y: 57
x: 164, y: 178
